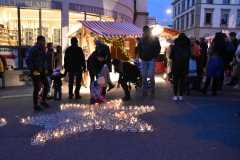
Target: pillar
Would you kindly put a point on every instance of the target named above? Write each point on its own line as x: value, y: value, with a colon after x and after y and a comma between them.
x: 64, y: 26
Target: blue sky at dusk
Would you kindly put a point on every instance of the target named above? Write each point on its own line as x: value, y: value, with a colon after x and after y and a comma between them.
x: 158, y: 9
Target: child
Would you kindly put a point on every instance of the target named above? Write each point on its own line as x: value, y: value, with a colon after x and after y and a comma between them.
x: 96, y: 90
x: 57, y: 83
x: 192, y: 74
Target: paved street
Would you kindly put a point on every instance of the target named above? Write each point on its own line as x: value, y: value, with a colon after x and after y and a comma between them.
x: 200, y: 128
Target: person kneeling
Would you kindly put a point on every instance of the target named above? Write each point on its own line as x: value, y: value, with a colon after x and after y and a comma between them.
x: 129, y: 73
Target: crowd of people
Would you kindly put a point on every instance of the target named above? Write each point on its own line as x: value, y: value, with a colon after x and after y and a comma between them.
x: 194, y: 65
x: 197, y: 64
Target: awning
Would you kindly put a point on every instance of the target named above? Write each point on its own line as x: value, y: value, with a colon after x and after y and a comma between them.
x: 112, y: 29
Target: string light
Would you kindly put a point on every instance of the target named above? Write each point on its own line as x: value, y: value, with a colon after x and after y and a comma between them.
x: 3, y: 122
x: 77, y: 118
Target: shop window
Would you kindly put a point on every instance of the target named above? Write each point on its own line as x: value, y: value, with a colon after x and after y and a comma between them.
x: 29, y: 26
x: 8, y: 26
x: 93, y: 17
x: 209, y: 1
x: 51, y: 26
x: 107, y: 18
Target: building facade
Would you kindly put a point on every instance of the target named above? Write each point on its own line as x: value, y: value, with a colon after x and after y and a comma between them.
x: 203, y: 18
x: 21, y: 21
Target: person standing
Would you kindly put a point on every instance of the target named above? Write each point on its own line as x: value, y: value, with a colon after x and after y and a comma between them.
x: 148, y: 49
x: 180, y: 56
x: 37, y: 64
x: 74, y: 64
x: 204, y: 48
x: 215, y: 66
x: 50, y: 62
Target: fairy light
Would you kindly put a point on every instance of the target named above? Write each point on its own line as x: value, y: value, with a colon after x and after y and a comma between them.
x: 77, y: 118
x: 3, y: 122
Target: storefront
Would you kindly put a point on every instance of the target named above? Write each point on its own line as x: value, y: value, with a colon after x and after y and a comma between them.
x: 21, y: 21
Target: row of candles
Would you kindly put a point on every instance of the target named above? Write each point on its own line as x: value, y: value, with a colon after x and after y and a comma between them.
x: 77, y: 118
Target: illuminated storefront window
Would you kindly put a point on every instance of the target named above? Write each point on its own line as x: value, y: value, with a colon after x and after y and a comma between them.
x: 93, y: 17
x: 51, y: 26
x: 8, y: 26
x: 29, y: 26
x: 107, y: 18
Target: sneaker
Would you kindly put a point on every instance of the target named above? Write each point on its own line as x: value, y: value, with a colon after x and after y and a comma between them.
x: 175, y: 98
x: 45, y: 105
x: 180, y: 98
x: 37, y: 108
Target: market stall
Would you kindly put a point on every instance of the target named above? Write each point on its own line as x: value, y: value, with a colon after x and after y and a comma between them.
x: 166, y: 36
x: 120, y: 37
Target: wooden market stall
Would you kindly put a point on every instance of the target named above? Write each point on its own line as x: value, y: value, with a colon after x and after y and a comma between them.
x: 120, y: 37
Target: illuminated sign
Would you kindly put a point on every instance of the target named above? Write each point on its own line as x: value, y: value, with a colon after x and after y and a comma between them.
x: 32, y: 3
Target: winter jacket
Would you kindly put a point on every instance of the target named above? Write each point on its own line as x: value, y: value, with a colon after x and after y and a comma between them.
x: 149, y: 49
x: 36, y: 59
x: 180, y: 60
x: 93, y: 65
x: 74, y: 60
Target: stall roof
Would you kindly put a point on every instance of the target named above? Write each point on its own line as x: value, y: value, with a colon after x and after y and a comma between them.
x: 112, y: 29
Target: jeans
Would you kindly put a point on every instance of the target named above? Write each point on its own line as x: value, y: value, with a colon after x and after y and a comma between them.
x: 78, y: 77
x: 148, y: 72
x: 38, y: 83
x: 57, y: 92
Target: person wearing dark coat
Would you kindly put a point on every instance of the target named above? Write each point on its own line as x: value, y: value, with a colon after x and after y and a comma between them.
x: 37, y: 64
x: 204, y: 48
x: 148, y: 49
x: 75, y: 65
x: 94, y: 66
x: 215, y: 66
x: 180, y: 56
x: 128, y: 73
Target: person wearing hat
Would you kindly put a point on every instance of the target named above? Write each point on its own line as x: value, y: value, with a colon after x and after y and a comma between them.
x: 148, y: 48
x: 75, y: 65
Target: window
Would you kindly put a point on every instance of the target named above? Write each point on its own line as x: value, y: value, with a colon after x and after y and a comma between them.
x: 192, y: 18
x: 51, y: 26
x: 238, y: 18
x: 210, y: 1
x: 175, y: 11
x: 208, y: 16
x: 193, y: 2
x: 224, y: 17
x: 8, y: 26
x: 30, y: 26
x: 187, y: 20
x: 183, y: 5
x: 188, y: 4
x: 226, y: 1
x: 179, y: 8
x: 182, y: 23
